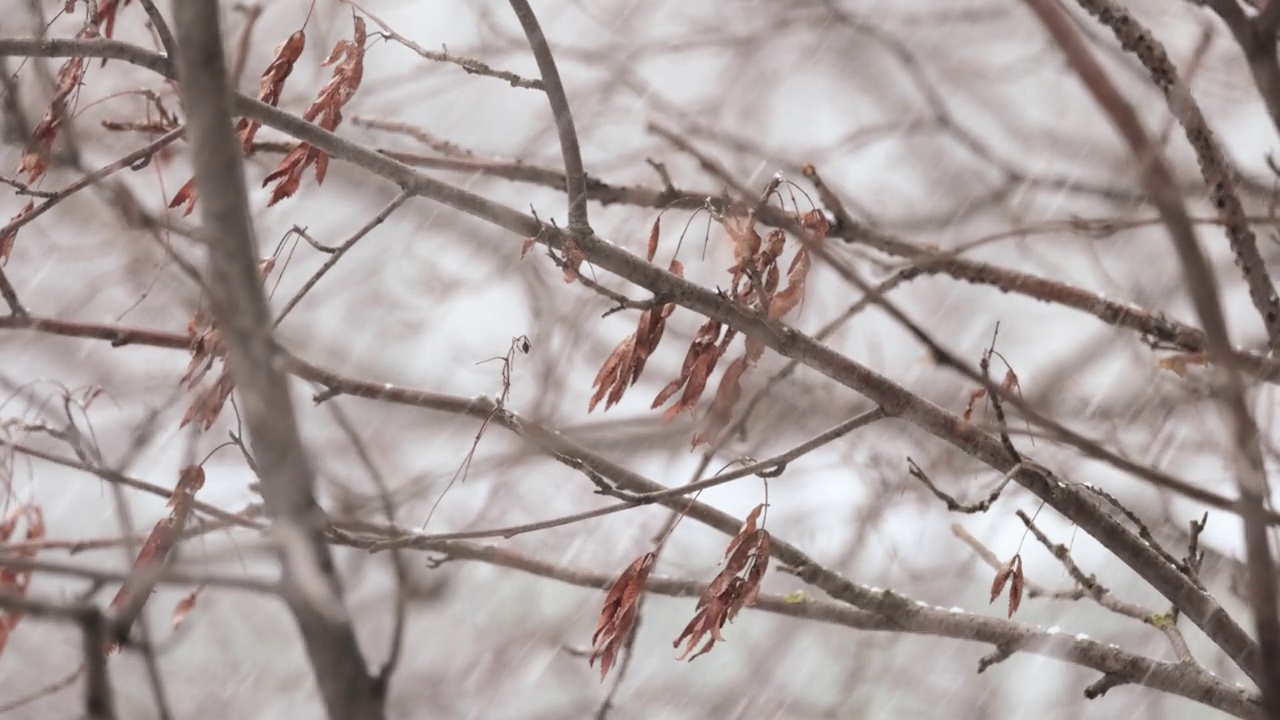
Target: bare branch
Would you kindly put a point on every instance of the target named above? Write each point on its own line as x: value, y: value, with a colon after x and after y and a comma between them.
x: 236, y: 296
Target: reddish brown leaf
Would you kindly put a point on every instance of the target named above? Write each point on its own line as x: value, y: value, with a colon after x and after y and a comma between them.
x: 325, y: 111
x: 272, y: 83
x: 1010, y: 382
x: 611, y: 371
x: 12, y: 581
x: 7, y: 240
x: 787, y: 299
x: 190, y: 481
x: 735, y: 587
x: 186, y: 194
x: 815, y: 221
x: 39, y: 148
x: 1016, y: 587
x: 107, y: 16
x: 618, y: 616
x: 1011, y: 570
x: 974, y: 396
x: 704, y: 344
x: 526, y: 246
x: 1178, y: 364
x: 184, y: 607
x: 727, y: 395
x: 1001, y: 579
x: 653, y: 239
x: 208, y: 405
x: 573, y: 259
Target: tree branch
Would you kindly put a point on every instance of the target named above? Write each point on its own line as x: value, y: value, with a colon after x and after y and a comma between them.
x: 240, y: 307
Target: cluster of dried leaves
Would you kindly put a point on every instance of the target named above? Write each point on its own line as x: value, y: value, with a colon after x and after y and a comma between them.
x: 755, y: 280
x: 155, y: 550
x: 1011, y: 570
x: 38, y: 151
x: 621, y: 607
x: 206, y: 347
x: 325, y: 111
x: 734, y: 588
x: 30, y: 518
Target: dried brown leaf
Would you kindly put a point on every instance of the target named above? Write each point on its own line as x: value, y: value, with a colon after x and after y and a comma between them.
x: 573, y: 259
x: 189, y: 482
x: 974, y: 396
x: 154, y: 551
x: 184, y: 607
x: 1001, y: 579
x: 14, y: 581
x: 704, y: 341
x: 527, y: 245
x: 618, y: 616
x: 815, y: 221
x: 611, y: 371
x: 736, y: 586
x: 727, y: 395
x: 7, y: 240
x: 208, y: 404
x: 1178, y: 364
x: 787, y: 299
x: 272, y: 83
x: 187, y: 195
x: 653, y: 239
x: 1016, y: 588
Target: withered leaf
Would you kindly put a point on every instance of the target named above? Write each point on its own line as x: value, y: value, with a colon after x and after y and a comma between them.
x: 1011, y: 570
x: 653, y: 239
x: 735, y: 587
x: 190, y: 481
x: 573, y: 259
x: 613, y: 372
x: 7, y: 240
x: 208, y: 405
x: 721, y: 411
x: 272, y: 84
x: 787, y: 299
x: 325, y: 111
x: 618, y: 616
x: 974, y: 396
x: 39, y: 148
x: 1178, y: 364
x: 815, y: 221
x: 14, y: 581
x: 704, y: 344
x: 186, y: 194
x: 184, y: 607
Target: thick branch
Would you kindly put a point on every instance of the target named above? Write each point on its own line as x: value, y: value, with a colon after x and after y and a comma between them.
x: 240, y: 307
x: 1203, y: 288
